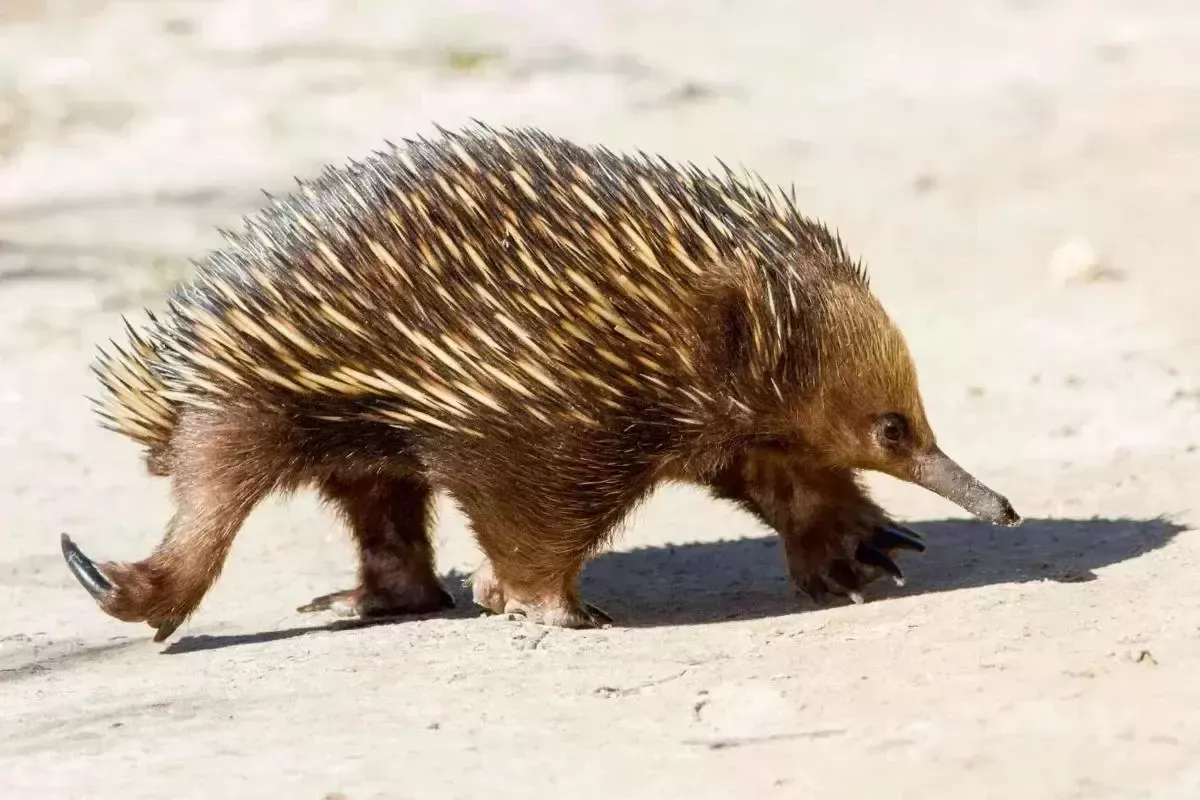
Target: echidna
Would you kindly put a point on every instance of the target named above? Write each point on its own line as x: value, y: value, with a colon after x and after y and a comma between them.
x: 545, y: 331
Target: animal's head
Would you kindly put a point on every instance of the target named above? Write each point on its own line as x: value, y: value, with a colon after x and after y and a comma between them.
x: 840, y: 381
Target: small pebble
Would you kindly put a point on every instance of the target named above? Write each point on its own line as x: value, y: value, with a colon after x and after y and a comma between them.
x: 1077, y: 261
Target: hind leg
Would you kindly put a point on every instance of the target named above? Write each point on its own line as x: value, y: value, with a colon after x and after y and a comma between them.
x: 554, y: 602
x: 536, y: 546
x: 221, y: 469
x: 390, y: 519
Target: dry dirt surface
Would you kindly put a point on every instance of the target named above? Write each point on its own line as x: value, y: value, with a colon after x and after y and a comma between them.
x: 1023, y: 179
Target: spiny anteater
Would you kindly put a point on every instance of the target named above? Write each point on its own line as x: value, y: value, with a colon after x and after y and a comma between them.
x: 543, y: 330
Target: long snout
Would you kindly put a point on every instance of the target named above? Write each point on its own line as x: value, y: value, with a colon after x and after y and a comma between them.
x: 941, y: 475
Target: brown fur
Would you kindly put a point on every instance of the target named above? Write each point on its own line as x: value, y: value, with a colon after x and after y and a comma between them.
x: 821, y: 514
x: 543, y: 331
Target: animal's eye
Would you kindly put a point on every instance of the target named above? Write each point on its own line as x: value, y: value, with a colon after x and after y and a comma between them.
x: 892, y: 430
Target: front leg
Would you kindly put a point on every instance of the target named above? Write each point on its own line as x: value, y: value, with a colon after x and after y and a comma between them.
x: 835, y: 539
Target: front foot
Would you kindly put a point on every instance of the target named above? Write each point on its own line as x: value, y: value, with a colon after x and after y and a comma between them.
x: 379, y: 603
x: 840, y: 557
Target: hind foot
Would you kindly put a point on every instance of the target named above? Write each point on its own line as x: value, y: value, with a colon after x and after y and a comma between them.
x: 555, y: 610
x: 364, y: 604
x: 557, y: 613
x: 139, y: 592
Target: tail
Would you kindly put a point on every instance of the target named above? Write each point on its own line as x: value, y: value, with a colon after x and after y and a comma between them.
x: 134, y: 402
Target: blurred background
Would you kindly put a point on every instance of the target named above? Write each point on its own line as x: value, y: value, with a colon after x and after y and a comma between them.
x: 1022, y: 178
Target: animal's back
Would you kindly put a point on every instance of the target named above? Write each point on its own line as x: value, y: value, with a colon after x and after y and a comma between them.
x: 485, y: 279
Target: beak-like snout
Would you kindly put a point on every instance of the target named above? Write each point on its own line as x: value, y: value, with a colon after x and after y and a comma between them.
x: 939, y: 473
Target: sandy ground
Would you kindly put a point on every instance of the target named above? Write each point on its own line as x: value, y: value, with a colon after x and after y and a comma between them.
x: 973, y: 153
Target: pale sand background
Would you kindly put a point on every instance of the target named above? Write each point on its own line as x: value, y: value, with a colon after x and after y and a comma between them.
x: 957, y: 146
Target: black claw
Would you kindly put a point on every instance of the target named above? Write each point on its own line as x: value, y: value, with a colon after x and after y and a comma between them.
x: 85, y: 571
x: 447, y: 600
x: 893, y: 536
x: 815, y: 588
x: 166, y: 629
x: 845, y: 576
x: 598, y: 614
x: 872, y: 557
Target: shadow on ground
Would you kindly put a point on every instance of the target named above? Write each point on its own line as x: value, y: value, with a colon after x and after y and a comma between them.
x: 745, y: 578
x: 29, y: 660
x: 454, y: 583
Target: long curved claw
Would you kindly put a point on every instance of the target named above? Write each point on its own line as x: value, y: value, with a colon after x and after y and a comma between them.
x: 907, y: 531
x: 600, y: 615
x: 870, y: 556
x: 894, y: 536
x: 85, y: 571
x: 166, y: 628
x: 815, y: 588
